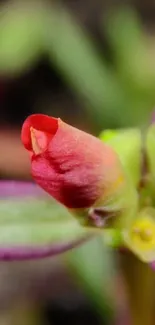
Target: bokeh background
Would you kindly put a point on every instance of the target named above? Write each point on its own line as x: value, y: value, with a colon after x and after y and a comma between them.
x: 90, y: 62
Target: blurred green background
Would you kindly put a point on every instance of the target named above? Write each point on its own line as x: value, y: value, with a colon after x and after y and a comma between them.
x: 92, y: 64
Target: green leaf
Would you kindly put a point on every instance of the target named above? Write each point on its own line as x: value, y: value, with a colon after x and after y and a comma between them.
x: 36, y: 222
x: 20, y: 37
x: 129, y: 42
x: 72, y: 51
x: 128, y: 144
x: 39, y: 221
x: 92, y: 265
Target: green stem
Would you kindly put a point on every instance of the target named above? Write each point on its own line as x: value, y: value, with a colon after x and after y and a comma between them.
x: 139, y: 281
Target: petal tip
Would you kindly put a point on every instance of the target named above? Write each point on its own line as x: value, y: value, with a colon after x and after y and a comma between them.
x: 37, y: 122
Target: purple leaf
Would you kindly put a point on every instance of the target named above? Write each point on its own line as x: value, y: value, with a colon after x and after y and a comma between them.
x: 19, y: 189
x: 28, y: 252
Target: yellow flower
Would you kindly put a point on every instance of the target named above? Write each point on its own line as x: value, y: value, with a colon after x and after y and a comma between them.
x: 140, y: 237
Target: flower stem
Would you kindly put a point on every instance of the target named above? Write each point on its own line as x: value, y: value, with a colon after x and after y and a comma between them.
x: 139, y: 281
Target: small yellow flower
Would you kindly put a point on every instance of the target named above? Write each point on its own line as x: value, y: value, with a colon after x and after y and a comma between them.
x: 140, y: 237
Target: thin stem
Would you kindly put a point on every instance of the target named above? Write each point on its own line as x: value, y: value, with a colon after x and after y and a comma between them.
x: 139, y: 280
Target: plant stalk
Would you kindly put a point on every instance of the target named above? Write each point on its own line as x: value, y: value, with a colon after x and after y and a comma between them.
x: 140, y: 288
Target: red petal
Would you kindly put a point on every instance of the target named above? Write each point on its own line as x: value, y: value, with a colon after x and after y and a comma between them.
x: 39, y: 122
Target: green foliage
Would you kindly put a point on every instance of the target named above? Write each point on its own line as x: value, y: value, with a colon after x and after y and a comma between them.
x: 33, y: 221
x: 132, y: 56
x: 36, y: 222
x: 72, y: 51
x: 29, y: 31
x: 92, y: 266
x: 20, y: 38
x: 128, y: 144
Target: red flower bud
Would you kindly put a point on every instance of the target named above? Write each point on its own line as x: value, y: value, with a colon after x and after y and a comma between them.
x: 74, y: 167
